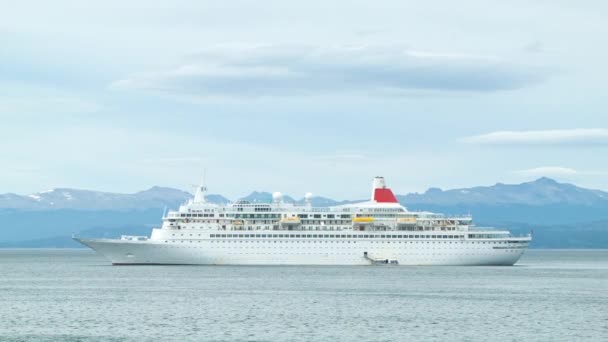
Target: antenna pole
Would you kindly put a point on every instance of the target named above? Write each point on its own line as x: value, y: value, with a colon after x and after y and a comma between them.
x: 204, y: 177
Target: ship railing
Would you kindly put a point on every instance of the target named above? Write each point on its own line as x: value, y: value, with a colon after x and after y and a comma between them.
x: 484, y: 228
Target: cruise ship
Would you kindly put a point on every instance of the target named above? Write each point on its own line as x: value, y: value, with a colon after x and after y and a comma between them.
x: 376, y: 232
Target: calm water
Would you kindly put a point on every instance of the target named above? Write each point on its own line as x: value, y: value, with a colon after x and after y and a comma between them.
x: 73, y: 295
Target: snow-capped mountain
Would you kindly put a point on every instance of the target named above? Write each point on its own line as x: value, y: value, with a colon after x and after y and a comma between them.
x: 64, y: 198
x: 543, y: 191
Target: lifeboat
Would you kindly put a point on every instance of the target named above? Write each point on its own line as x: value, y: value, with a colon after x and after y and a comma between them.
x: 237, y: 222
x: 406, y: 220
x: 363, y: 219
x: 290, y: 220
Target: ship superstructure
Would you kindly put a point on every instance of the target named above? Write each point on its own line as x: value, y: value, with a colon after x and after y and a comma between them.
x: 378, y: 231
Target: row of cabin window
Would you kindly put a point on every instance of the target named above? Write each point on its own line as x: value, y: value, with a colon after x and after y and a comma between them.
x: 428, y: 242
x: 200, y: 215
x: 484, y: 236
x: 329, y: 216
x: 248, y: 207
x: 358, y: 236
x: 302, y: 216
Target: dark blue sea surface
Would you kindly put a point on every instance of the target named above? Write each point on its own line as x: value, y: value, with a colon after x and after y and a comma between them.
x: 75, y: 295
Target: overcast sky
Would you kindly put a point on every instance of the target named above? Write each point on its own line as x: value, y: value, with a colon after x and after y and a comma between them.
x: 301, y: 96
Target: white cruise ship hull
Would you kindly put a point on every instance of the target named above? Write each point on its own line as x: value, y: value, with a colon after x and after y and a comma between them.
x: 379, y: 231
x: 307, y: 252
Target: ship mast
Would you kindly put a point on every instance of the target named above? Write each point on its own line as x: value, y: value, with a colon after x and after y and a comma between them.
x: 199, y: 196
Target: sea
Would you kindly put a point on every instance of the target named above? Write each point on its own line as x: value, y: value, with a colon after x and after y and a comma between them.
x: 75, y: 295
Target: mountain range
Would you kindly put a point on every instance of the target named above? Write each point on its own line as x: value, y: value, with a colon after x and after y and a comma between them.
x: 543, y: 191
x: 565, y: 215
x: 64, y: 198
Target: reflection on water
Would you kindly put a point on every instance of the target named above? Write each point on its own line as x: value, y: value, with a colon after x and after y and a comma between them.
x: 74, y: 295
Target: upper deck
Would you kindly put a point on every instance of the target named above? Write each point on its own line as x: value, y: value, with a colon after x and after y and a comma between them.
x: 381, y: 213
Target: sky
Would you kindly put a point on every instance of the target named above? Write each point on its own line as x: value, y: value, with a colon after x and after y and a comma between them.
x: 301, y: 96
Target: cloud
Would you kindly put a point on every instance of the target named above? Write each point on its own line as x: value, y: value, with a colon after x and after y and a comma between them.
x: 534, y: 47
x: 579, y: 136
x: 559, y: 172
x: 288, y: 70
x: 50, y: 104
x: 342, y: 158
x: 552, y: 171
x: 173, y: 160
